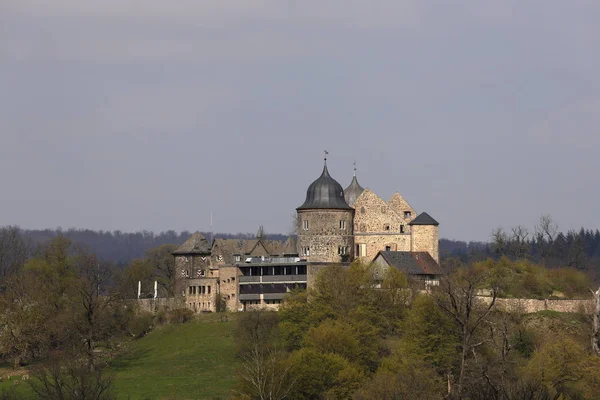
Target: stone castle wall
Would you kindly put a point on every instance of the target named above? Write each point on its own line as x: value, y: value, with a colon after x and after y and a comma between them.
x: 373, y: 215
x: 324, y: 235
x: 377, y: 242
x: 229, y: 287
x: 426, y: 238
x: 528, y: 306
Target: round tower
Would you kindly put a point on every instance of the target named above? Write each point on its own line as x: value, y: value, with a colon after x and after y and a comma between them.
x: 325, y: 222
x: 424, y: 235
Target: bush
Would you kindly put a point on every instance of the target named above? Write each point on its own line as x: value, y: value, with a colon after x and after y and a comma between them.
x: 141, y: 324
x: 179, y: 315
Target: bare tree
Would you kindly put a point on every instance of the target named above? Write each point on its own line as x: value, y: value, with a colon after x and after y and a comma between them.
x: 94, y: 324
x: 499, y: 241
x: 519, y: 244
x: 458, y: 297
x: 264, y: 375
x: 545, y: 234
x: 13, y: 251
x: 70, y: 381
x: 596, y: 323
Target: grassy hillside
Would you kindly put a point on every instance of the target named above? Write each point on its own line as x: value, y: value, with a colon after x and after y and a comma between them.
x: 188, y: 361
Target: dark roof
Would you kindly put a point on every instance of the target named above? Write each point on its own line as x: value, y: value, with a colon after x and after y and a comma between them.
x: 412, y: 263
x: 424, y: 219
x: 196, y: 244
x: 325, y: 192
x: 228, y: 248
x: 352, y: 192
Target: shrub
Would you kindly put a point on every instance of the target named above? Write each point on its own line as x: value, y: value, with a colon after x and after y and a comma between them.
x: 179, y: 315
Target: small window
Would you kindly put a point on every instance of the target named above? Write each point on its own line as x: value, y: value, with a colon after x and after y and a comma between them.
x: 386, y: 227
x: 238, y: 258
x: 233, y: 279
x: 342, y: 250
x: 342, y: 225
x: 209, y: 290
x: 361, y: 249
x: 401, y: 228
x: 407, y: 214
x: 388, y: 248
x: 305, y: 225
x: 362, y: 210
x: 306, y: 251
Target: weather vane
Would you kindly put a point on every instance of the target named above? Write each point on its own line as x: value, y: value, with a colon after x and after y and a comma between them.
x: 354, y: 163
x: 326, y: 152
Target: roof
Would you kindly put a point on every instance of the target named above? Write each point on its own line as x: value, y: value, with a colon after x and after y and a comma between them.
x: 424, y: 219
x: 412, y: 263
x: 352, y: 192
x: 245, y: 247
x: 196, y: 244
x: 325, y: 193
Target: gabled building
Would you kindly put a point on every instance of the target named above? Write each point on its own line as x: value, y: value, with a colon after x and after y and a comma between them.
x: 418, y: 265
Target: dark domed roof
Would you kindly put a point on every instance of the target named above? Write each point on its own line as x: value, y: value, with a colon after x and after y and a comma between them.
x: 352, y: 192
x: 325, y: 192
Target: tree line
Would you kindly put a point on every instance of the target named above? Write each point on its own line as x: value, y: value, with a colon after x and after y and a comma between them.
x: 116, y: 246
x: 545, y: 245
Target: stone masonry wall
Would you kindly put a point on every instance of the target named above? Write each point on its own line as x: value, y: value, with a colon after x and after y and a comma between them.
x: 426, y: 238
x: 373, y: 215
x: 400, y: 206
x: 528, y: 306
x: 377, y: 242
x: 324, y: 235
x: 229, y: 287
x: 200, y: 294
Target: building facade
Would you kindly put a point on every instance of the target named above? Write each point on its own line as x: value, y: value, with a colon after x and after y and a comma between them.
x: 333, y: 226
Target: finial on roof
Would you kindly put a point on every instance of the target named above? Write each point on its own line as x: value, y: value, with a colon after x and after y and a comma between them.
x: 354, y: 168
x: 326, y: 152
x: 261, y: 232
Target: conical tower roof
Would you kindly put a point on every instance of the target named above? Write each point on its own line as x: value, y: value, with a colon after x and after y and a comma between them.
x: 354, y: 190
x: 424, y: 219
x: 325, y: 193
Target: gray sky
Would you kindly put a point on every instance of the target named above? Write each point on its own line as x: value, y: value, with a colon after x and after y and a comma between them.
x: 130, y: 115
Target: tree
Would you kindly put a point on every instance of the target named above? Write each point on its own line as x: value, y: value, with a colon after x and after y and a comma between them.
x: 596, y: 323
x: 24, y: 313
x: 163, y: 263
x: 92, y: 303
x: 69, y: 380
x: 457, y: 296
x: 264, y: 375
x: 13, y: 251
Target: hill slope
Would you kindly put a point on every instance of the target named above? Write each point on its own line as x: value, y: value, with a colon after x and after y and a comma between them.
x: 187, y: 361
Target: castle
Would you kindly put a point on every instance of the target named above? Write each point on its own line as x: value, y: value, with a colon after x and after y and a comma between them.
x: 333, y: 226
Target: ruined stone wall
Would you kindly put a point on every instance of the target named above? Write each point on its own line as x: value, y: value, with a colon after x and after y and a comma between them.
x: 528, y: 306
x: 229, y: 287
x: 324, y: 235
x: 426, y: 238
x: 155, y: 305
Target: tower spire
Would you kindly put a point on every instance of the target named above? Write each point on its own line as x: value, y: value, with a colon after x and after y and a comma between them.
x: 325, y: 158
x: 354, y: 168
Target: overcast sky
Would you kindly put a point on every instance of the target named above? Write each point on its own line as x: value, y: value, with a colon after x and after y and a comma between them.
x: 131, y: 115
